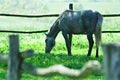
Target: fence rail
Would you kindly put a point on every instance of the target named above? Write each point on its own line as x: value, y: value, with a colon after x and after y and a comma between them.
x: 49, y: 15
x: 25, y: 32
x: 31, y: 32
x: 29, y: 16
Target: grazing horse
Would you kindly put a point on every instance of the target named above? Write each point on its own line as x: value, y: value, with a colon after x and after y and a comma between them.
x: 76, y: 22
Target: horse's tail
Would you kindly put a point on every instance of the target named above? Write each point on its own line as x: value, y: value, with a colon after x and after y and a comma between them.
x: 98, y: 29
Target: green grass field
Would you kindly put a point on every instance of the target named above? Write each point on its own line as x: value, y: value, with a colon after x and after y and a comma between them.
x: 58, y: 54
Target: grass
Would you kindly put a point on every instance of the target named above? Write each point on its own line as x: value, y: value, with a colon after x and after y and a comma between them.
x: 57, y: 56
x: 43, y: 60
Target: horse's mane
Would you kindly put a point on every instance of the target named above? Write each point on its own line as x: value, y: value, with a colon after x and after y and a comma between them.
x: 58, y: 19
x: 56, y: 22
x: 53, y: 25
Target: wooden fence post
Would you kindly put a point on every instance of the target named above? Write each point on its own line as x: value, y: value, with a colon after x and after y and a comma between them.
x: 71, y: 6
x: 13, y: 72
x: 111, y: 61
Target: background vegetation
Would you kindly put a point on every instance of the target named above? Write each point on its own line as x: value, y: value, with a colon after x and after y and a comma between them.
x: 36, y: 41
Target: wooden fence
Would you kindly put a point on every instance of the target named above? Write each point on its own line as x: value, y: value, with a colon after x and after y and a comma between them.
x: 16, y: 64
x: 50, y: 15
x: 111, y: 59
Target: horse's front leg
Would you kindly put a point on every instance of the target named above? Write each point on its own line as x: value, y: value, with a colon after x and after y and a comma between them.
x: 91, y: 42
x: 68, y: 41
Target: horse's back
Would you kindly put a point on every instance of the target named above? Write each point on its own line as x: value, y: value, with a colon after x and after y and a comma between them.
x: 77, y: 22
x: 72, y: 21
x: 89, y: 19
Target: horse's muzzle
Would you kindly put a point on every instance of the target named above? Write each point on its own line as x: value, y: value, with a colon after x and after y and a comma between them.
x: 47, y: 50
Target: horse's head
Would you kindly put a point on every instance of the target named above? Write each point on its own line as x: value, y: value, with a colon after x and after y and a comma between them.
x: 50, y: 42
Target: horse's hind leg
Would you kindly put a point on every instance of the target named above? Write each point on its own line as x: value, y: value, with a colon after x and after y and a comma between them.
x: 91, y: 42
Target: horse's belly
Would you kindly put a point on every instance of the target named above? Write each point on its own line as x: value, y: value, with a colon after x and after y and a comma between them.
x: 77, y: 26
x: 77, y: 29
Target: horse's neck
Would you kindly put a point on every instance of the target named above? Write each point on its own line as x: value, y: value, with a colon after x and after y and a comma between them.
x: 54, y: 30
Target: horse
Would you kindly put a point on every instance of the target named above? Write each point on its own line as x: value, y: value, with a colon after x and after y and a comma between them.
x: 76, y: 22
